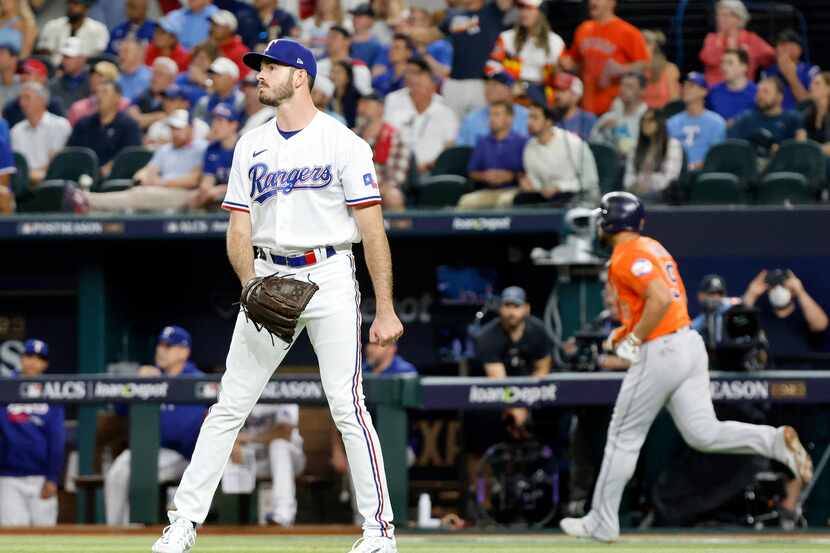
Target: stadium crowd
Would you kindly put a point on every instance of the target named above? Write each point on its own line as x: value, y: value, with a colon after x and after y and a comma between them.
x: 487, y: 92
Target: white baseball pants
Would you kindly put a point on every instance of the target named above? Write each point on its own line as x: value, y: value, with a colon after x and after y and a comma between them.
x: 333, y: 322
x: 117, y: 483
x: 21, y: 504
x: 673, y: 371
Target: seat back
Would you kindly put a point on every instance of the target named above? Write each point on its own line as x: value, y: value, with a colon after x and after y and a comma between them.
x: 783, y: 187
x: 732, y: 156
x: 128, y: 162
x: 442, y: 190
x: 717, y: 188
x: 609, y: 168
x: 20, y: 178
x: 47, y: 197
x: 453, y: 161
x: 805, y: 158
x: 72, y: 162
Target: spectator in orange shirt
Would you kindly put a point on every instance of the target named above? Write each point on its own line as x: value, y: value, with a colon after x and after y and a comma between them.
x: 604, y: 49
x: 662, y: 75
x: 731, y: 34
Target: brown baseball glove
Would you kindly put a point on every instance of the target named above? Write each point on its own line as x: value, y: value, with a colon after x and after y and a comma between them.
x: 276, y: 303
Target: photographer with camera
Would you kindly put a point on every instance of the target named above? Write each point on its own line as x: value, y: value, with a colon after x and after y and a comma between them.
x: 795, y: 325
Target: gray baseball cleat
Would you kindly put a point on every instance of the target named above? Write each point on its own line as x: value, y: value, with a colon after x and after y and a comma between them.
x: 798, y: 460
x: 575, y: 527
x: 179, y: 537
x: 375, y: 545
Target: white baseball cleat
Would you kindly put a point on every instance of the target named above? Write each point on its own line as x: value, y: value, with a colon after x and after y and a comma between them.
x: 375, y: 545
x: 798, y: 460
x: 179, y: 537
x: 575, y: 527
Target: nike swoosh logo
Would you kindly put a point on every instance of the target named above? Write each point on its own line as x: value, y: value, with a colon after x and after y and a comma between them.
x: 259, y: 152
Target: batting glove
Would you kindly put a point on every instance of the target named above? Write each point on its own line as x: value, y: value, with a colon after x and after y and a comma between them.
x: 629, y: 348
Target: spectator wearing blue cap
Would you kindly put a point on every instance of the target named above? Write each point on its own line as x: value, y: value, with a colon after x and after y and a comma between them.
x: 216, y: 167
x: 697, y: 128
x: 137, y: 26
x: 224, y: 76
x: 147, y: 108
x: 93, y: 36
x: 498, y: 87
x: 134, y: 77
x: 168, y: 181
x: 172, y: 99
x: 736, y: 93
x: 496, y: 163
x: 165, y: 43
x: 9, y: 78
x: 794, y: 73
x: 32, y: 440
x: 193, y: 21
x: 179, y: 424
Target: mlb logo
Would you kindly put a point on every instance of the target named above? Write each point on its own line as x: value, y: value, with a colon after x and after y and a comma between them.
x: 369, y: 180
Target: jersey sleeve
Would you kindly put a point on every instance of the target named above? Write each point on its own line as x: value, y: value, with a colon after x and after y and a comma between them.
x: 237, y: 198
x: 636, y: 269
x: 360, y: 183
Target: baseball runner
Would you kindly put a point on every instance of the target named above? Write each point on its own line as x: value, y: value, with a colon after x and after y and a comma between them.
x: 668, y: 367
x: 302, y: 190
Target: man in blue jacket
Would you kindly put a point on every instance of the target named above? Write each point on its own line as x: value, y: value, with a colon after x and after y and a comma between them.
x: 32, y: 440
x: 180, y: 426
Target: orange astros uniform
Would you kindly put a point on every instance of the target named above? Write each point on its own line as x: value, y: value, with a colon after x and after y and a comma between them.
x: 634, y: 265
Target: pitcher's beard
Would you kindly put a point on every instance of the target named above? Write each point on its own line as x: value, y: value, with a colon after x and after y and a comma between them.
x: 276, y: 97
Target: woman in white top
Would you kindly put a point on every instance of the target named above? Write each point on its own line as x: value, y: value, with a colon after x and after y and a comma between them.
x: 315, y: 29
x: 656, y: 161
x: 529, y: 51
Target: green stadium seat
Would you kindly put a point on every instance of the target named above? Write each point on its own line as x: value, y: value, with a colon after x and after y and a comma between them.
x: 442, y: 190
x: 70, y: 163
x: 795, y: 174
x: 609, y: 169
x: 47, y: 197
x: 129, y: 161
x: 20, y: 179
x: 717, y: 188
x: 453, y: 161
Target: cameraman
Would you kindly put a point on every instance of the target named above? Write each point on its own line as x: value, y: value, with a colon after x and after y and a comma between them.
x: 711, y: 295
x: 795, y: 325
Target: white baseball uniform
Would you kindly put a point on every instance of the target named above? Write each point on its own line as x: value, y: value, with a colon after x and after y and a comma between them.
x: 282, y: 460
x: 298, y: 191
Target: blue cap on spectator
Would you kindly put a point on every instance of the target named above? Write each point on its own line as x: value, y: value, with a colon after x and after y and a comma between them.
x: 286, y: 52
x: 175, y: 336
x: 502, y: 77
x: 513, y: 295
x: 169, y: 25
x: 176, y: 92
x: 225, y: 111
x: 698, y: 79
x: 12, y: 49
x: 36, y: 347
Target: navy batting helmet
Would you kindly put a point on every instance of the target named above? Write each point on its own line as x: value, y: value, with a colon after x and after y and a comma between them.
x: 619, y: 211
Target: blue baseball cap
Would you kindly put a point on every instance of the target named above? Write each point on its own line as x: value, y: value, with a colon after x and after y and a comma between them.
x: 36, y: 347
x: 225, y: 111
x: 175, y: 336
x: 170, y: 25
x: 175, y: 91
x: 697, y: 78
x: 513, y: 295
x: 285, y: 52
x: 502, y: 77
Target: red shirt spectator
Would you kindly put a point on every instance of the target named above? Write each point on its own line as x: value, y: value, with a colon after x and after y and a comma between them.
x: 604, y: 48
x: 732, y: 17
x: 223, y: 35
x: 166, y: 44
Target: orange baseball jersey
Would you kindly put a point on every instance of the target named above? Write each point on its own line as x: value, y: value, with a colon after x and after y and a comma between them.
x: 634, y: 265
x: 593, y: 45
